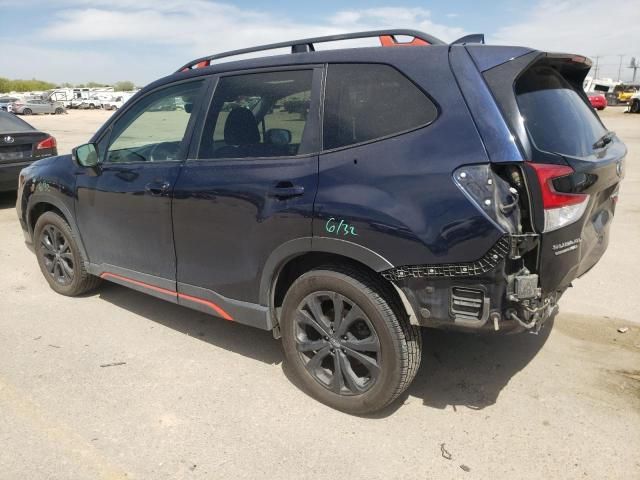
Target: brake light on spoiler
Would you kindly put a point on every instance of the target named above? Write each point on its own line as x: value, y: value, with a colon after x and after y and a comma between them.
x: 560, y: 209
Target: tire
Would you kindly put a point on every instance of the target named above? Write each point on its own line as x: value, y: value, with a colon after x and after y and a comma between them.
x: 635, y: 107
x: 317, y: 354
x: 27, y: 111
x: 59, y: 111
x: 91, y: 106
x: 52, y: 235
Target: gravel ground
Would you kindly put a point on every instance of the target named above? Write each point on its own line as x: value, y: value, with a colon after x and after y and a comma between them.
x: 191, y: 396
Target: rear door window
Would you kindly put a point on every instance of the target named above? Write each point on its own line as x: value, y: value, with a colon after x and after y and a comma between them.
x: 364, y: 102
x: 558, y: 119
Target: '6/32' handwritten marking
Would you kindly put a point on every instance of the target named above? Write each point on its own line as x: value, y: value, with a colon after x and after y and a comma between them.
x: 339, y: 228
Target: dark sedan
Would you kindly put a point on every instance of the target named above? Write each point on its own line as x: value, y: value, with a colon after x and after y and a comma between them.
x: 20, y: 144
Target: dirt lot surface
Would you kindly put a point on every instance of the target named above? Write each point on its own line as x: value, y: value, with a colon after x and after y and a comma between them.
x: 191, y: 396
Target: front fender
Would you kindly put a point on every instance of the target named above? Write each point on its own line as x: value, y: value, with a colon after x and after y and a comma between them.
x: 50, y: 198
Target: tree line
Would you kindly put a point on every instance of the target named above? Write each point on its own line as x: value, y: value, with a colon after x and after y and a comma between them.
x: 8, y: 85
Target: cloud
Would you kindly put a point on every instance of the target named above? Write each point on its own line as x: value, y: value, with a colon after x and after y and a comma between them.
x: 584, y: 27
x: 143, y: 39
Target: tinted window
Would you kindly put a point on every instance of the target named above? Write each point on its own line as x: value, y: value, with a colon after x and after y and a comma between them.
x: 556, y: 116
x: 153, y: 128
x: 10, y: 123
x: 368, y: 101
x: 258, y: 115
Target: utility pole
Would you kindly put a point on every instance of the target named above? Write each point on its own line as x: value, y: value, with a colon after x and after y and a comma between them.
x: 620, y: 67
x: 634, y: 64
x: 595, y: 69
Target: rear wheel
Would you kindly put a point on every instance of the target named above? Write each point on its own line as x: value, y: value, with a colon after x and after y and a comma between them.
x: 59, y: 258
x: 27, y: 111
x: 635, y: 106
x: 347, y: 342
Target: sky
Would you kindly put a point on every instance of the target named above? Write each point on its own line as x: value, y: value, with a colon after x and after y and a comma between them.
x: 141, y: 40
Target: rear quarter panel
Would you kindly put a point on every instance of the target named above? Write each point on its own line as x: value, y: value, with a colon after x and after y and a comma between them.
x: 398, y: 193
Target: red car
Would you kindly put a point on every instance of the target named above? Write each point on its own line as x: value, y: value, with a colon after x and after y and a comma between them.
x: 598, y: 100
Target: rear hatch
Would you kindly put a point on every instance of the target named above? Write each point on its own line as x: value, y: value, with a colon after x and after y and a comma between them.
x: 573, y: 165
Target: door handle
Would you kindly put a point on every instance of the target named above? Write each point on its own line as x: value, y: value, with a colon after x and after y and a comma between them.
x: 157, y: 188
x: 284, y: 190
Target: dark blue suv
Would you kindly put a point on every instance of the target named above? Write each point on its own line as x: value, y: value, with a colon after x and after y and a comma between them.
x: 341, y: 199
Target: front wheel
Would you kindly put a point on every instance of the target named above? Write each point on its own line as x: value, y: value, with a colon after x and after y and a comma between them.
x: 59, y: 258
x: 346, y: 340
x: 635, y: 106
x: 59, y: 111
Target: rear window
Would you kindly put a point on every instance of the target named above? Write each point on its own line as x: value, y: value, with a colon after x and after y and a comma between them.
x: 556, y: 116
x: 9, y: 123
x: 369, y: 101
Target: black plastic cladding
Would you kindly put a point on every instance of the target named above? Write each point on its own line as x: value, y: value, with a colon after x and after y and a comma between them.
x: 487, y: 263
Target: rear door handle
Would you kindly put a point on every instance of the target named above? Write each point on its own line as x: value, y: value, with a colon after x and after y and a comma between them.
x: 157, y: 188
x: 284, y: 190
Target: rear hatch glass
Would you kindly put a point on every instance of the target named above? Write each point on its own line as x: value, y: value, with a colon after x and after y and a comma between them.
x: 555, y: 114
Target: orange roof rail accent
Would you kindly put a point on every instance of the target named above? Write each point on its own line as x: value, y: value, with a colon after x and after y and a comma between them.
x: 204, y: 63
x: 390, y: 41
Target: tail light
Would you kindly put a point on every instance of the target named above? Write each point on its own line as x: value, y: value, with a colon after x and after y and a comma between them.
x: 491, y: 194
x: 560, y: 208
x: 47, y: 143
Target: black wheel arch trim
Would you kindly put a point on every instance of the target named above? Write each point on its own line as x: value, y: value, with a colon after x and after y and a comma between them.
x: 47, y: 198
x: 299, y: 246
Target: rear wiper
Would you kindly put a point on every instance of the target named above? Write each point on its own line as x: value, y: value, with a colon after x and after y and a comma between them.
x: 604, y: 140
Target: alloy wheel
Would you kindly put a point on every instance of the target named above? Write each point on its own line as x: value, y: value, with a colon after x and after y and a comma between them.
x: 337, y: 343
x: 58, y: 257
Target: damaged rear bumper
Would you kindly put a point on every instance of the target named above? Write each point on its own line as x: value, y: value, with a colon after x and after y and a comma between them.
x: 498, y: 292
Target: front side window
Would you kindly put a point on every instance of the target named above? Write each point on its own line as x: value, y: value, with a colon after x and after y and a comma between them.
x: 364, y: 102
x: 258, y: 115
x: 153, y: 129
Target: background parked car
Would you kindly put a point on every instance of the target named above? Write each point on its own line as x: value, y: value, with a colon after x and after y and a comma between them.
x: 29, y: 107
x: 20, y: 144
x: 116, y: 102
x: 5, y: 103
x: 90, y: 104
x: 597, y: 100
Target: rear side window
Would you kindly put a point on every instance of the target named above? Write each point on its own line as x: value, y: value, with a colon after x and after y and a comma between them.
x: 365, y: 102
x: 556, y: 116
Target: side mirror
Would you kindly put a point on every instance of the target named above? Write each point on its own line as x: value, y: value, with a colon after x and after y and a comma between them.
x: 278, y: 136
x: 85, y: 155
